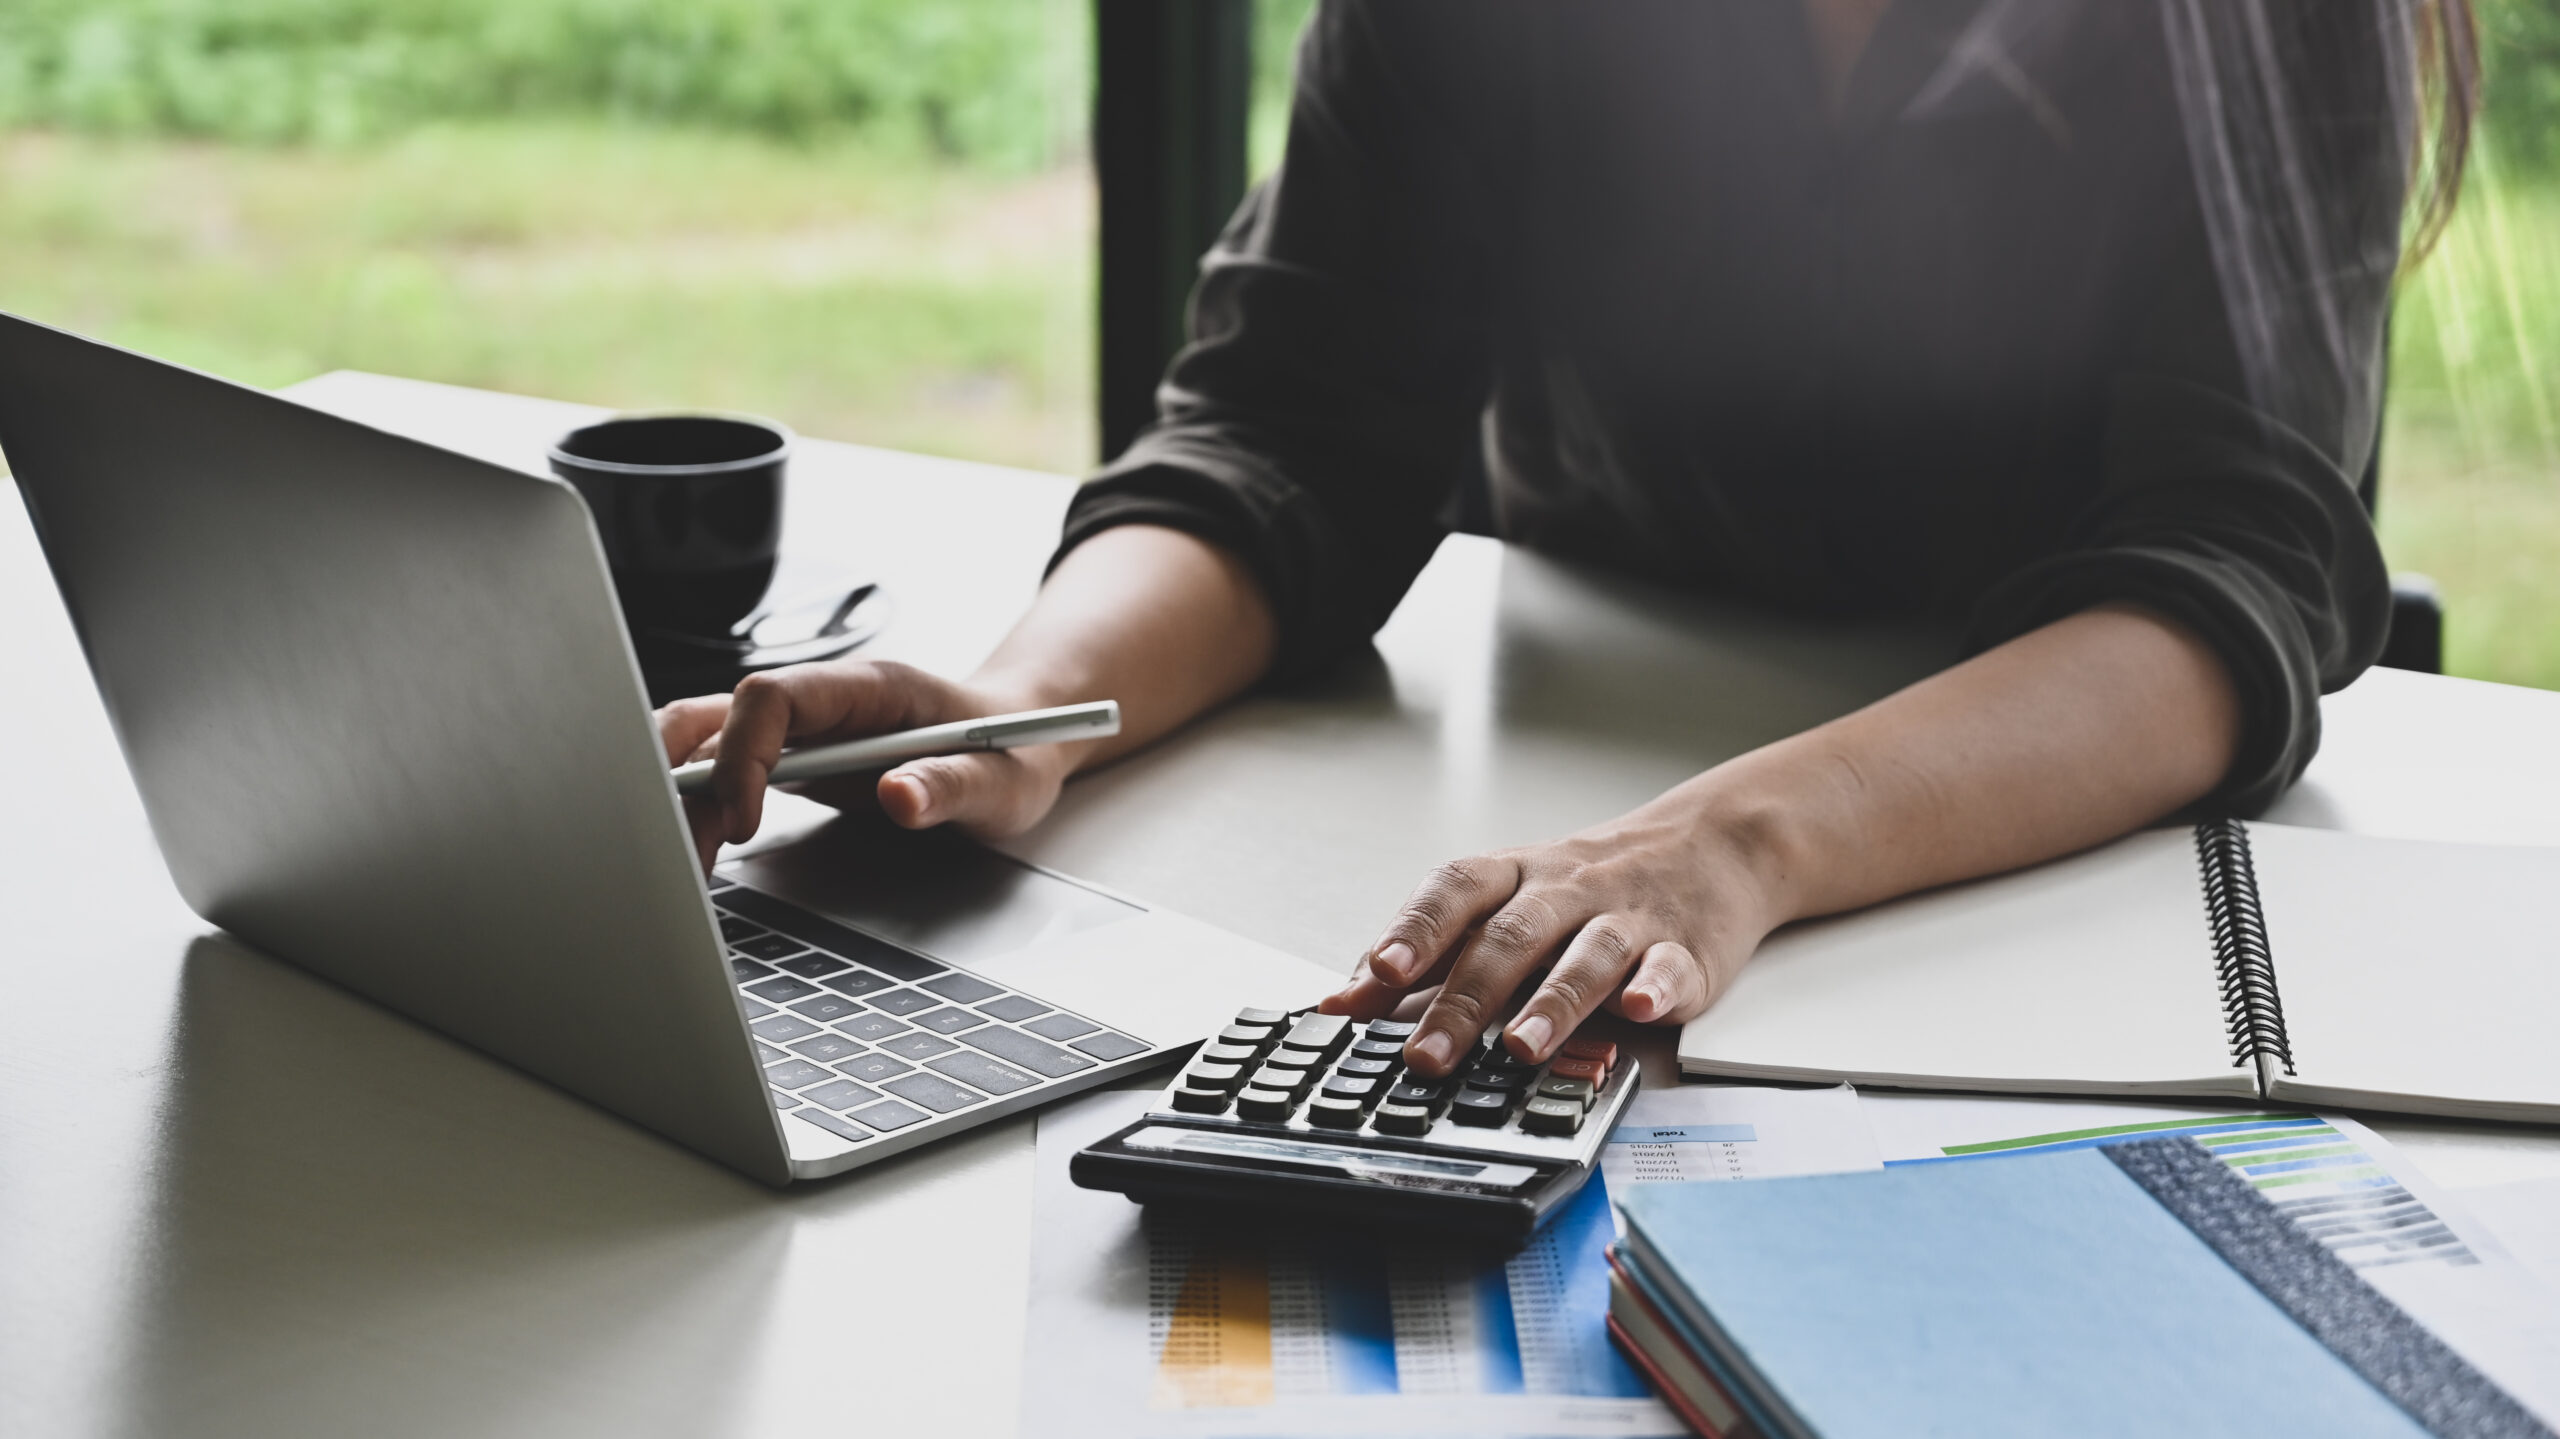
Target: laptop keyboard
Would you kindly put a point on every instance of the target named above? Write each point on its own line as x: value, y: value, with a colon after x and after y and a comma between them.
x: 862, y: 1038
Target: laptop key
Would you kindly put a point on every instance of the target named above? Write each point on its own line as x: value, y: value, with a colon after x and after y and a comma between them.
x: 734, y: 929
x: 872, y: 1068
x: 769, y: 946
x: 767, y: 1054
x: 842, y: 1094
x: 889, y: 1114
x: 856, y: 982
x: 917, y: 1046
x: 1270, y: 1018
x: 794, y: 1074
x: 983, y: 1072
x: 949, y: 1021
x: 1013, y: 1007
x: 903, y: 1001
x: 1061, y: 1026
x: 755, y: 1008
x: 826, y: 1008
x: 831, y: 1123
x: 782, y: 989
x: 747, y: 971
x: 961, y: 988
x: 811, y: 965
x: 938, y: 1095
x: 718, y: 883
x: 783, y: 1028
x: 1022, y: 1049
x: 826, y: 1049
x: 1108, y: 1047
x: 871, y: 1027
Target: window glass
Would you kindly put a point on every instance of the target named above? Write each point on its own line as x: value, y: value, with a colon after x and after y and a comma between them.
x: 870, y: 218
x: 2470, y: 489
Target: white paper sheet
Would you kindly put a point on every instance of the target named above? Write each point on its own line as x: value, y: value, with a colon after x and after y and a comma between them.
x: 2332, y: 1176
x: 1143, y: 1330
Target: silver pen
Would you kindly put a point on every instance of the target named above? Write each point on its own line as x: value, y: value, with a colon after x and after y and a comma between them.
x: 1050, y: 726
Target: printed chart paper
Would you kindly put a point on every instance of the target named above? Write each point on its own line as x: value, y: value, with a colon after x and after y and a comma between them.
x: 1144, y: 1327
x: 2337, y: 1180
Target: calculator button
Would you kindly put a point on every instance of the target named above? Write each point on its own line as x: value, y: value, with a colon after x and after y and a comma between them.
x: 1335, y: 1112
x: 1430, y: 1094
x: 1200, y: 1101
x: 1599, y: 1051
x: 1580, y: 1091
x: 1358, y: 1089
x: 1509, y: 1081
x: 1289, y: 1056
x: 1579, y: 1069
x: 1223, y: 1077
x: 1371, y: 1068
x: 1226, y: 1053
x: 1254, y: 1036
x: 1324, y: 1033
x: 1483, y: 1108
x: 1259, y: 1103
x: 1551, y: 1116
x: 1287, y: 1081
x: 1410, y: 1119
x: 1387, y: 1049
x: 1268, y: 1018
x: 1398, y: 1030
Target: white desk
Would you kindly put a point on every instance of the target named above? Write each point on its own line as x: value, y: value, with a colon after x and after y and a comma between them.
x: 234, y: 1201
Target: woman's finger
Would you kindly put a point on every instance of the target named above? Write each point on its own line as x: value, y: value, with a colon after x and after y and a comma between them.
x: 1593, y: 966
x: 1440, y: 912
x: 1504, y: 949
x: 1670, y: 985
x: 1369, y: 995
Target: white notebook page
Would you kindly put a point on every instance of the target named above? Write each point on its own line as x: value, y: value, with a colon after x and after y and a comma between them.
x: 2416, y: 975
x: 2091, y: 975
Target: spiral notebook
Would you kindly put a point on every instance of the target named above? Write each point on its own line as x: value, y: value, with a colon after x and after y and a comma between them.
x: 2259, y: 961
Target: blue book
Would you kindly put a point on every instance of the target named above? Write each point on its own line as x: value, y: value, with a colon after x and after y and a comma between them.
x: 2138, y: 1289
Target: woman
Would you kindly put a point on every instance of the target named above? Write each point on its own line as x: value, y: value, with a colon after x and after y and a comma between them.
x: 2063, y: 319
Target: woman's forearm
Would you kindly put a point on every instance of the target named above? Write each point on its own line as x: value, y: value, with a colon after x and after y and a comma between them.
x: 1168, y: 625
x: 2060, y: 739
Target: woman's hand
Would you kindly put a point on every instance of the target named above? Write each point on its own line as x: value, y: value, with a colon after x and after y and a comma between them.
x: 990, y: 794
x: 1650, y: 915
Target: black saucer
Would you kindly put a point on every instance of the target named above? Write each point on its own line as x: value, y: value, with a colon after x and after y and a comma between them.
x: 805, y: 617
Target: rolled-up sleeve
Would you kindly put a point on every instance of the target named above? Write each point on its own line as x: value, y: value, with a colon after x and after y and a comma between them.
x: 1329, y: 399
x: 2244, y: 529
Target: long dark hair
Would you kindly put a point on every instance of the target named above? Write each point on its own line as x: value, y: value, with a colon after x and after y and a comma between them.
x: 2449, y: 91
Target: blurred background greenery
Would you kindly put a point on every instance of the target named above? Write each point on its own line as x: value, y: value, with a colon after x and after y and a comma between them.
x: 874, y: 219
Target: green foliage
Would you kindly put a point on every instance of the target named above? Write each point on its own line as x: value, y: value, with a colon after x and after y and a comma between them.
x: 1000, y: 81
x: 2520, y: 55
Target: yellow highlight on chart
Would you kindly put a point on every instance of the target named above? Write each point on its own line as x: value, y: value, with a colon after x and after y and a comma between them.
x: 1217, y: 1350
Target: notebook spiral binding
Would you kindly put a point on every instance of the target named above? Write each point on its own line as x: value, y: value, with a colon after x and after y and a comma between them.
x: 2252, y: 1008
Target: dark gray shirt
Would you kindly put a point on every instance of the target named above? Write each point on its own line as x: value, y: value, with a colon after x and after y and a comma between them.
x: 1618, y: 266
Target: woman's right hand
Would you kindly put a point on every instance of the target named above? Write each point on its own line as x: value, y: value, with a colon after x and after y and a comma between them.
x: 990, y: 794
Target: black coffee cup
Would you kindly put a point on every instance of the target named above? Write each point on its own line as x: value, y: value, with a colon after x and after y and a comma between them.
x: 690, y: 510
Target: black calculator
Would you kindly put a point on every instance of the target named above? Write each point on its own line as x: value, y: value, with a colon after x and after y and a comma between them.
x: 1314, y: 1114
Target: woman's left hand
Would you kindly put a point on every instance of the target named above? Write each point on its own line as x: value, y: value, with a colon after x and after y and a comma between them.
x: 1650, y: 915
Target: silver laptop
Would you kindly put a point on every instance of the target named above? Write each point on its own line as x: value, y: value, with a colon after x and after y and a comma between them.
x: 386, y: 722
